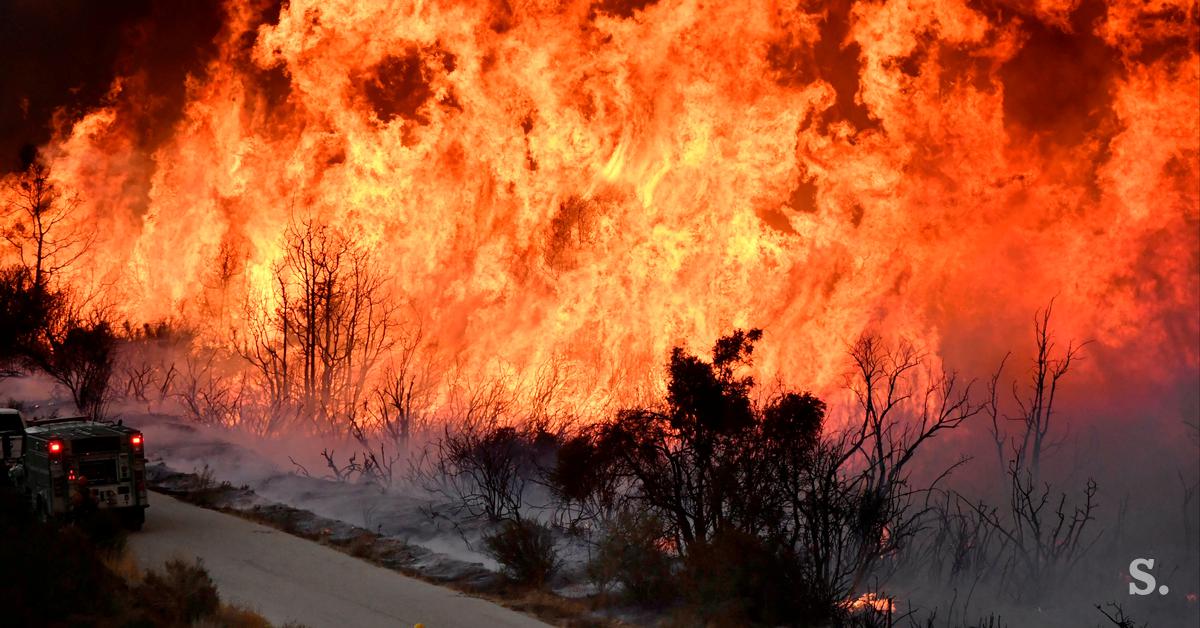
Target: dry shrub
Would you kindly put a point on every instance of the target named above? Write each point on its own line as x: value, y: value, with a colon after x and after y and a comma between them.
x: 182, y: 593
x: 630, y: 554
x: 362, y: 546
x: 233, y: 616
x: 525, y: 550
x: 205, y: 490
x: 736, y: 578
x: 124, y: 566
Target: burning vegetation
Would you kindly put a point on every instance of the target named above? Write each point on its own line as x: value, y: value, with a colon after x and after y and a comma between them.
x: 458, y: 239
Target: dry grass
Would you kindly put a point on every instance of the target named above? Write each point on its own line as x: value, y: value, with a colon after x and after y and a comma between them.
x: 124, y: 565
x: 233, y: 616
x: 362, y: 546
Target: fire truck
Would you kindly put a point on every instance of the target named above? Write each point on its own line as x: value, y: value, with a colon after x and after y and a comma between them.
x: 73, y: 463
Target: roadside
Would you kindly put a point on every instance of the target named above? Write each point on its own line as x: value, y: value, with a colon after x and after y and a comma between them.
x: 289, y: 579
x: 80, y: 573
x: 359, y: 544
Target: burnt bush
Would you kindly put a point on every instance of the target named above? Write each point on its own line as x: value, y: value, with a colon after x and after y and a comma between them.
x: 81, y: 358
x: 736, y: 578
x: 525, y: 550
x: 774, y: 520
x: 631, y: 554
x: 585, y: 480
x: 485, y: 468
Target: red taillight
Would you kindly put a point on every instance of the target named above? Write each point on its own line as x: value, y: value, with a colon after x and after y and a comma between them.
x: 71, y: 475
x: 55, y: 446
x: 136, y: 440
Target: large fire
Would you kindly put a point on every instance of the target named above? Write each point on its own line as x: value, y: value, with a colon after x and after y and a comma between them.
x: 589, y: 183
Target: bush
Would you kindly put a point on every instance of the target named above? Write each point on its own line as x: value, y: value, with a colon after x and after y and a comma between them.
x: 778, y: 520
x: 487, y: 466
x: 525, y: 550
x: 585, y: 480
x: 181, y: 594
x: 739, y: 578
x: 630, y: 554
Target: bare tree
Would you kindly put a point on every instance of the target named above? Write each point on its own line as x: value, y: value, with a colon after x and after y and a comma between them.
x: 208, y: 395
x: 855, y: 500
x: 43, y: 230
x: 1036, y: 415
x: 265, y: 347
x: 399, y: 403
x: 330, y: 325
x: 402, y: 399
x: 1041, y: 535
x: 219, y: 281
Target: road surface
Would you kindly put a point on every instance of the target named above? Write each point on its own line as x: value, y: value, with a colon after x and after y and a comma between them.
x: 286, y: 578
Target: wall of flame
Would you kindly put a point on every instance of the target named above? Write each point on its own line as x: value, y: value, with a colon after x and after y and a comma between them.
x: 593, y: 182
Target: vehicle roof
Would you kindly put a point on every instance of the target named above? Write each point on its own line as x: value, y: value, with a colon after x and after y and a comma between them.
x: 76, y: 427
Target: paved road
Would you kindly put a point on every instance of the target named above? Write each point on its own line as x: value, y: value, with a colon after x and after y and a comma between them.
x: 286, y: 578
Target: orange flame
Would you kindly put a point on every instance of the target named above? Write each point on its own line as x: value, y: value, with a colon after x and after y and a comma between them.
x: 872, y: 601
x: 593, y: 182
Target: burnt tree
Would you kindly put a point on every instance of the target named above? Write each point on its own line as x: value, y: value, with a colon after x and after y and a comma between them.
x: 42, y: 225
x: 329, y: 324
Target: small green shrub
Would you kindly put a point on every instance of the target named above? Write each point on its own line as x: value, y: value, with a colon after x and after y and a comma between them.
x: 525, y: 550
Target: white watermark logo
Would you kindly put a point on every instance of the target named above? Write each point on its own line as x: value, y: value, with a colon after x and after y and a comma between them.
x: 1139, y: 571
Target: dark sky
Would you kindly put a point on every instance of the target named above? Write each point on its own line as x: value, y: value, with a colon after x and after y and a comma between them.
x: 64, y: 54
